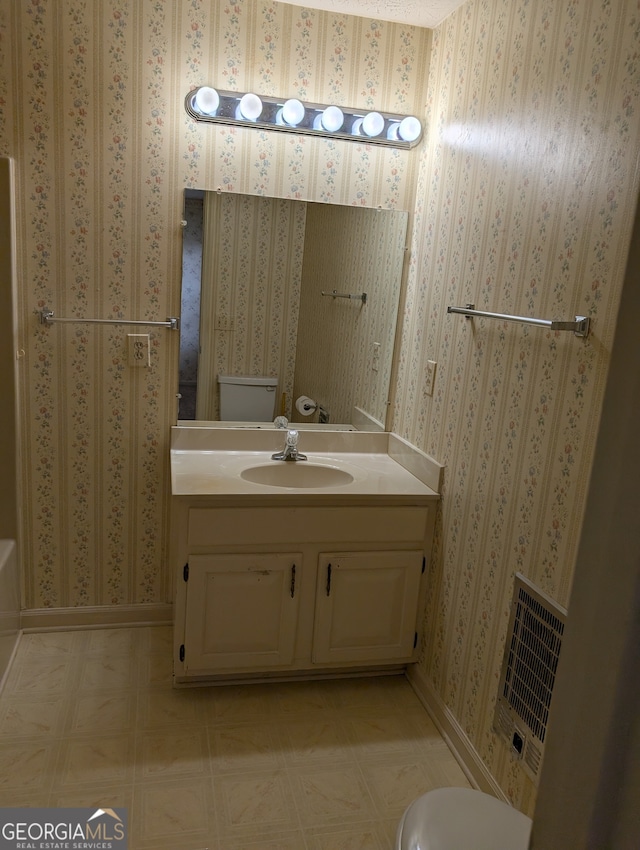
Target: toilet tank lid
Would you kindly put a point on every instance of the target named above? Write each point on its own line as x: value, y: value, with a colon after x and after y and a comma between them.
x: 259, y: 381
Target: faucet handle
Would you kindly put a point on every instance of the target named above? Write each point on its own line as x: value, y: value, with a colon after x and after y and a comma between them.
x: 292, y: 437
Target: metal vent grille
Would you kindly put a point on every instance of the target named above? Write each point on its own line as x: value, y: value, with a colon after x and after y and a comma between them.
x: 529, y: 667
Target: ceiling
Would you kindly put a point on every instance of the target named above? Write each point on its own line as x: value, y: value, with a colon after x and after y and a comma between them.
x: 421, y: 13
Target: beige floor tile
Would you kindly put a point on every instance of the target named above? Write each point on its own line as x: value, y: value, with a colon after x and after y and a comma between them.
x: 294, y: 840
x: 173, y: 813
x: 161, y: 707
x: 155, y: 669
x: 443, y: 769
x: 96, y: 760
x: 331, y: 796
x: 182, y: 842
x: 245, y: 747
x: 27, y: 768
x: 157, y: 639
x: 51, y: 644
x: 41, y: 676
x: 90, y: 717
x: 164, y: 754
x: 301, y: 700
x: 360, y: 697
x: 254, y: 802
x: 426, y: 728
x: 21, y: 717
x: 394, y: 785
x: 110, y: 673
x: 400, y: 693
x: 111, y: 642
x: 384, y: 735
x: 105, y: 796
x: 364, y: 836
x: 98, y: 713
x: 236, y: 703
x: 390, y: 829
x: 21, y: 799
x: 321, y: 740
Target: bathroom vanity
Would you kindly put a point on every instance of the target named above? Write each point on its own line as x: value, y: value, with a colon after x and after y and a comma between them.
x: 301, y: 568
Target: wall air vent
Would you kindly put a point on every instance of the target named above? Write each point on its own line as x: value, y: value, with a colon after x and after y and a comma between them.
x: 529, y: 667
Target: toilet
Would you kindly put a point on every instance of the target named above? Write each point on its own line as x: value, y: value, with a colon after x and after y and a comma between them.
x: 462, y: 819
x: 247, y: 399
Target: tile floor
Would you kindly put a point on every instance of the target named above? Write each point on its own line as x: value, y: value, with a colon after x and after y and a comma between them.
x: 89, y: 718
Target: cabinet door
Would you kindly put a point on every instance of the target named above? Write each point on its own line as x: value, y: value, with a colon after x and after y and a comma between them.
x: 241, y: 611
x: 366, y: 606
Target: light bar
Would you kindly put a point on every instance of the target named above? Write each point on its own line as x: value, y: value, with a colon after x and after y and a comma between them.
x: 295, y: 116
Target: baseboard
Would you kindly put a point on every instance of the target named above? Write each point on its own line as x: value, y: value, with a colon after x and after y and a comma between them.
x: 7, y: 668
x: 95, y: 617
x: 458, y: 741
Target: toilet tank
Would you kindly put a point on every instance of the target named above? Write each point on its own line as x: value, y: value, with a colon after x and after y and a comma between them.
x: 247, y: 399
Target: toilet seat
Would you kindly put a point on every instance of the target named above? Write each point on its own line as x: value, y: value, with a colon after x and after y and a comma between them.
x: 462, y: 819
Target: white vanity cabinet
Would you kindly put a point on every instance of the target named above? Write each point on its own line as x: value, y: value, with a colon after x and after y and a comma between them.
x: 242, y: 610
x: 365, y: 606
x: 296, y: 590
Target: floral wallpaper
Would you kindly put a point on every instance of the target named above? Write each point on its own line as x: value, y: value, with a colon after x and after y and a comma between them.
x: 525, y: 204
x: 521, y: 198
x: 252, y: 269
x: 92, y: 99
x: 345, y: 347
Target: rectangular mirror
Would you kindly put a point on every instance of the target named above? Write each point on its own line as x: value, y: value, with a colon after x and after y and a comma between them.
x: 264, y: 294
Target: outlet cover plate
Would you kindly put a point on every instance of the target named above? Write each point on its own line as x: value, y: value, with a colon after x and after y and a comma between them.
x: 139, y: 350
x: 430, y: 376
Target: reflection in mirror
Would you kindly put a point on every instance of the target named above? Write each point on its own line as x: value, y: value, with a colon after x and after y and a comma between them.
x: 253, y: 276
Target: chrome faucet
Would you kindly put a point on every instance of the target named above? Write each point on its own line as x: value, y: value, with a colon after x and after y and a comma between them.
x: 290, y: 451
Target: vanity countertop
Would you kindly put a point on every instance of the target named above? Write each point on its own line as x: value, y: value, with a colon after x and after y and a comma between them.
x: 216, y: 462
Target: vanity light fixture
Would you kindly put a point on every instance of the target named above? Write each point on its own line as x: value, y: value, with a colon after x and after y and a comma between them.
x: 295, y: 116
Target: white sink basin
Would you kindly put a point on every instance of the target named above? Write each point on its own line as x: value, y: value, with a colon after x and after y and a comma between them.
x: 297, y: 474
x: 219, y: 463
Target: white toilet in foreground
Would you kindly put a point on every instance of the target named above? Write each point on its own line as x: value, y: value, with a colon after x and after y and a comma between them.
x: 462, y: 819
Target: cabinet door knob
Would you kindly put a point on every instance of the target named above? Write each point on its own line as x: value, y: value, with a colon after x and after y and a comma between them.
x: 293, y: 580
x: 328, y: 579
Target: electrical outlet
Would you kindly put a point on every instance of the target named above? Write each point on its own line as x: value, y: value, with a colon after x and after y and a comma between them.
x: 139, y: 349
x: 430, y: 376
x: 375, y: 360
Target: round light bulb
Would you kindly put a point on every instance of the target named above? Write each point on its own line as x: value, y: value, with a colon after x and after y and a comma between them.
x: 292, y: 112
x: 410, y: 129
x: 373, y: 124
x: 250, y: 106
x: 332, y: 119
x: 392, y: 132
x: 207, y: 100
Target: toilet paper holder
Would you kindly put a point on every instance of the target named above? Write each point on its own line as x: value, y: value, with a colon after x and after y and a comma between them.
x: 306, y: 406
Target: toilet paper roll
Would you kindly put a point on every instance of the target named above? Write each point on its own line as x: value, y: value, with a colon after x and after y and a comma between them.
x: 305, y: 405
